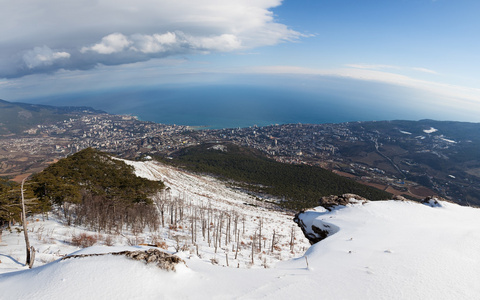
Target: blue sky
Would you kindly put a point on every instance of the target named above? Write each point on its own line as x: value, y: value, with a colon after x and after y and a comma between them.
x: 436, y: 35
x: 428, y: 47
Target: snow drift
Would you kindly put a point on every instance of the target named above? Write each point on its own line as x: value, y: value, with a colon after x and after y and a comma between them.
x: 372, y: 250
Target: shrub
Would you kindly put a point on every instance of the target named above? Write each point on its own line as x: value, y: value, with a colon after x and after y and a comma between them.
x: 83, y: 240
x: 159, y: 242
x: 108, y: 240
x: 162, y: 245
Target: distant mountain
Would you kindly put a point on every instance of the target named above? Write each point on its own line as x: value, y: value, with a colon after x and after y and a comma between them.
x: 16, y: 117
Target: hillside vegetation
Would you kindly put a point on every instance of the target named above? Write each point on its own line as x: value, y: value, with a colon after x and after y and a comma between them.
x: 9, y: 203
x: 106, y: 193
x: 299, y: 186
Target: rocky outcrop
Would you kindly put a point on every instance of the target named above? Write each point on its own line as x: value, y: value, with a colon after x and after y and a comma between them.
x: 331, y: 201
x: 163, y: 260
x: 314, y: 229
x: 400, y: 198
x: 433, y: 201
x: 310, y: 235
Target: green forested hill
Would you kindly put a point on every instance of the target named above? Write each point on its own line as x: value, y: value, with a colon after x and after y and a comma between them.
x: 106, y: 192
x: 95, y: 172
x: 300, y: 185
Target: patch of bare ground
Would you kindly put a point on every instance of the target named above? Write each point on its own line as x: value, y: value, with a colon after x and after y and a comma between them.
x: 22, y: 159
x: 344, y: 174
x: 474, y: 172
x: 370, y: 158
x: 421, y: 191
x: 382, y: 187
x: 393, y: 191
x: 20, y: 177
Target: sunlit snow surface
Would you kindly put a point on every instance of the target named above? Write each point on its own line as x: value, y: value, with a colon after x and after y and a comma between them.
x: 382, y: 250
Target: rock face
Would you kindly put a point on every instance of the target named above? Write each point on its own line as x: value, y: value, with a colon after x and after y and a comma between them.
x: 316, y: 230
x: 331, y: 201
x: 313, y: 234
x: 399, y: 198
x: 433, y: 201
x: 162, y: 259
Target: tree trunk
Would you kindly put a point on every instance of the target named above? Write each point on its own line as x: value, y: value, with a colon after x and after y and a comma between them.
x: 253, y: 245
x: 273, y: 242
x: 29, y: 261
x: 238, y: 241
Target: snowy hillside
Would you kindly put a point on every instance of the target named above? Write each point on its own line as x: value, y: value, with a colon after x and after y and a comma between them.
x: 377, y: 250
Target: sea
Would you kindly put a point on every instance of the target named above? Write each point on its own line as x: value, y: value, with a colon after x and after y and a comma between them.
x: 233, y: 106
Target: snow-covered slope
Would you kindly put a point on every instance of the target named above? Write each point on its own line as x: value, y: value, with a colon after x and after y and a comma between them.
x: 379, y: 250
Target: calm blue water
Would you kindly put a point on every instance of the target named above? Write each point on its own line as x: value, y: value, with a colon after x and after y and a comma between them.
x: 229, y: 106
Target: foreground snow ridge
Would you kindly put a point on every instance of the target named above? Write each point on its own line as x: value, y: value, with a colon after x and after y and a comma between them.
x: 381, y: 250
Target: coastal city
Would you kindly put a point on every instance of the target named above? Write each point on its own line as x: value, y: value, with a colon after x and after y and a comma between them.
x: 362, y: 151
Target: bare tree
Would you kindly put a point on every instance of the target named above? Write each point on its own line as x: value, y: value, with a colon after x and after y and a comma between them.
x: 30, y: 250
x: 273, y: 241
x: 253, y: 246
x: 292, y: 239
x: 260, y: 223
x: 160, y: 201
x: 238, y: 242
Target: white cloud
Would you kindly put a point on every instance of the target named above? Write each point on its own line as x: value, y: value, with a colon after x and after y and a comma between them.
x: 371, y: 66
x: 113, y: 32
x: 153, y: 43
x: 222, y: 43
x: 383, y: 67
x: 459, y: 94
x: 43, y: 56
x: 425, y: 70
x: 111, y: 43
x: 178, y: 42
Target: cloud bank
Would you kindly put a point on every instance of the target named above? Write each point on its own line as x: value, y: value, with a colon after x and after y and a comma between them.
x: 460, y: 95
x: 42, y: 36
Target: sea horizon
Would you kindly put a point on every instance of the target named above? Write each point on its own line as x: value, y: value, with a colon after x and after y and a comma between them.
x: 234, y: 106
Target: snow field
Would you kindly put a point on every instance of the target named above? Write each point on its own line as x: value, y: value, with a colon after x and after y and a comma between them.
x: 204, y: 191
x: 52, y: 238
x: 379, y: 250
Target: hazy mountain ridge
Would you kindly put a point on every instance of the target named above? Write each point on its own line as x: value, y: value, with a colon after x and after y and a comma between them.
x: 15, y: 117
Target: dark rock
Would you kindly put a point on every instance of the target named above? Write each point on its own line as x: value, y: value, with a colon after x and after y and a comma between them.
x: 311, y: 237
x: 331, y: 201
x: 432, y: 201
x: 315, y: 233
x: 321, y: 233
x: 312, y: 232
x: 399, y: 198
